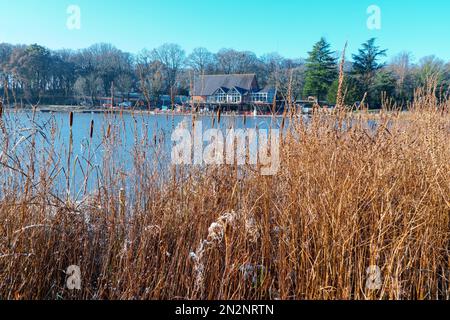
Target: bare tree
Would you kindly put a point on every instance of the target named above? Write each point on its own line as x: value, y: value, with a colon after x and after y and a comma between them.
x: 401, y: 67
x: 172, y: 57
x: 273, y: 67
x: 201, y: 61
x: 231, y: 61
x: 89, y: 86
x: 150, y: 75
x: 430, y: 67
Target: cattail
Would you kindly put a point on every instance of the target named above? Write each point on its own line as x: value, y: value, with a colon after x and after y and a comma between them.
x: 92, y: 129
x: 122, y: 200
x: 71, y: 119
x: 108, y: 131
x: 219, y: 113
x: 340, y: 97
x: 283, y: 121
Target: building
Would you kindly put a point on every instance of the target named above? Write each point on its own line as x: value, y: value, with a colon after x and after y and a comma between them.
x: 166, y: 100
x: 230, y: 90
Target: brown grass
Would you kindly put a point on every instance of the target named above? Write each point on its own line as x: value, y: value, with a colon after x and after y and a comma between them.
x: 347, y: 197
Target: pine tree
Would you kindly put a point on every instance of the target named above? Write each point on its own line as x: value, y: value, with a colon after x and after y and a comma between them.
x: 321, y: 70
x: 366, y: 65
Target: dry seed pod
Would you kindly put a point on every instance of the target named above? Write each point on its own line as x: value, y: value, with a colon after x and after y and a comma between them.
x: 71, y: 119
x: 92, y: 129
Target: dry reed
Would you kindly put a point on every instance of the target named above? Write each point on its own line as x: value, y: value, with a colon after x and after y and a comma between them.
x: 346, y: 198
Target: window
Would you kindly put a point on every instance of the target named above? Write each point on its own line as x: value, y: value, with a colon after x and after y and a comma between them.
x: 260, y: 97
x: 234, y: 96
x: 219, y: 97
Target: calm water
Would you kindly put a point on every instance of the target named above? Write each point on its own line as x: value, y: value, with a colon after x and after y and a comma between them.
x: 21, y: 124
x: 51, y: 131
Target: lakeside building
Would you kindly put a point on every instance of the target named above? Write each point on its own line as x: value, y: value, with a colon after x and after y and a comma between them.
x: 234, y: 91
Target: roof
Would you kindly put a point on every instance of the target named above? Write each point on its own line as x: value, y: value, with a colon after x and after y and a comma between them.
x: 241, y: 90
x: 267, y: 89
x: 208, y: 84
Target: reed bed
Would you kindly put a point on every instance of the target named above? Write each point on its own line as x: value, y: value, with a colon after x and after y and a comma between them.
x: 350, y: 194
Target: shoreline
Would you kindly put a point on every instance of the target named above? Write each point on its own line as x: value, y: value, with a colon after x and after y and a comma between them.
x: 101, y: 110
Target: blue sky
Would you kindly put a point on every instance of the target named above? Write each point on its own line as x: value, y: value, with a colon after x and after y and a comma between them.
x: 289, y: 27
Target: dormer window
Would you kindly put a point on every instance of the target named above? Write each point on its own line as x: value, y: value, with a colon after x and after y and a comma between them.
x: 234, y: 96
x: 220, y: 96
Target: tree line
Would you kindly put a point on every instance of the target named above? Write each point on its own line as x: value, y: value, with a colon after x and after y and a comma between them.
x: 36, y: 74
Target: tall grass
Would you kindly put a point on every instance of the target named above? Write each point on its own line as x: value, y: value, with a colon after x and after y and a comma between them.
x: 350, y: 194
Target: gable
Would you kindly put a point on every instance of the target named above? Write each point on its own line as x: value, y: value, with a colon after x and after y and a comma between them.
x: 221, y: 90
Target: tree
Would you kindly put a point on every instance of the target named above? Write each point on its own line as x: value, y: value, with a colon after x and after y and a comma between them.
x: 42, y: 75
x: 290, y: 83
x: 231, y: 61
x: 108, y: 63
x: 401, y: 68
x: 430, y: 68
x: 384, y: 84
x: 446, y: 79
x: 272, y: 69
x: 31, y: 67
x: 227, y: 61
x: 172, y: 58
x: 125, y: 83
x: 366, y: 65
x: 201, y: 61
x: 321, y: 70
x: 351, y: 91
x: 5, y: 56
x: 89, y: 86
x: 150, y: 76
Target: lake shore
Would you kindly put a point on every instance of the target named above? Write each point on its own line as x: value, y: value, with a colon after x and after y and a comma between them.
x: 99, y: 110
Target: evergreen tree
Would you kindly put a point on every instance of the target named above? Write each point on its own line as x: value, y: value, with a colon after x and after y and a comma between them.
x: 365, y: 67
x: 321, y: 70
x: 351, y: 91
x: 384, y: 83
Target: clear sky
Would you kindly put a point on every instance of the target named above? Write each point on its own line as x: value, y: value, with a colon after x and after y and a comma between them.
x: 289, y: 27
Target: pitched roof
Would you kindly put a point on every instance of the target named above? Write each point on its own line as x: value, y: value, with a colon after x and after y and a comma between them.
x: 268, y: 89
x: 208, y: 84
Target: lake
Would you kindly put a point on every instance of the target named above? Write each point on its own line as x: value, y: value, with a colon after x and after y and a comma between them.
x: 49, y: 134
